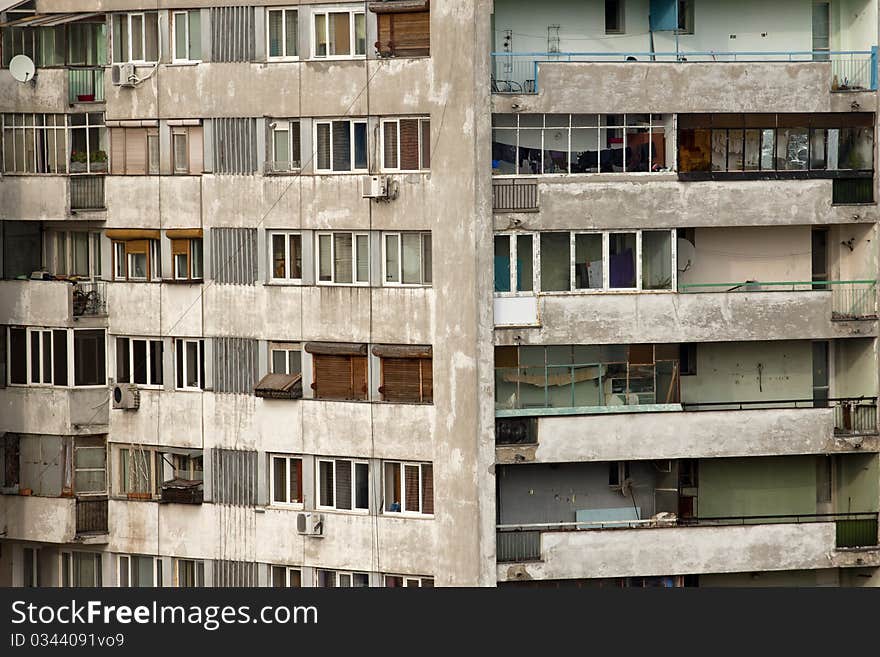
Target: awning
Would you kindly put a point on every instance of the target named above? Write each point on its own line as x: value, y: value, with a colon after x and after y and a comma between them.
x: 48, y: 20
x: 336, y: 348
x: 402, y: 351
x: 279, y: 386
x: 125, y: 234
x: 399, y: 6
x: 183, y: 233
x: 6, y: 5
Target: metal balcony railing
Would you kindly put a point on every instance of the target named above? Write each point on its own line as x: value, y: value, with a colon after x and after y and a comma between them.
x: 87, y: 192
x: 516, y: 546
x: 514, y: 196
x: 519, y: 73
x: 91, y: 516
x: 90, y: 299
x: 85, y: 84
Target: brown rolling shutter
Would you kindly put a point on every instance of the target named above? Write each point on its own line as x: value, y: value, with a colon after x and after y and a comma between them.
x: 427, y: 489
x: 426, y: 144
x: 184, y: 233
x: 359, y: 376
x: 336, y: 348
x: 405, y: 34
x: 136, y: 151
x: 401, y: 380
x: 125, y: 234
x: 427, y: 380
x: 296, y: 478
x: 196, y: 150
x: 117, y: 151
x: 411, y: 487
x: 343, y: 484
x: 409, y: 144
x: 332, y: 376
x: 389, y: 145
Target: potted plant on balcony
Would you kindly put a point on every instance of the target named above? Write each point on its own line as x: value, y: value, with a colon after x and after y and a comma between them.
x: 79, y: 162
x: 99, y: 161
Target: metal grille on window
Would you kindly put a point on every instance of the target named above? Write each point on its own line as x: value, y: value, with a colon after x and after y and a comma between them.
x: 234, y: 255
x: 234, y: 477
x: 235, y: 365
x: 232, y: 34
x: 235, y: 146
x: 234, y: 573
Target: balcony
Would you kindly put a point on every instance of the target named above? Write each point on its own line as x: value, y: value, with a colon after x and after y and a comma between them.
x: 85, y: 84
x: 90, y: 299
x: 43, y: 519
x: 91, y: 520
x: 87, y: 193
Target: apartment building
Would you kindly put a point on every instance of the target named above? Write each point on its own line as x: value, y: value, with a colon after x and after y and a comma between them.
x: 270, y: 269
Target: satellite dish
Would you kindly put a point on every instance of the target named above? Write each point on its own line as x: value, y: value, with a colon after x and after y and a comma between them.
x: 22, y: 68
x: 687, y: 254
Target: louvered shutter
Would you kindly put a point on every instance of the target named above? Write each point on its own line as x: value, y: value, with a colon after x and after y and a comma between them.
x: 341, y: 146
x: 389, y: 144
x: 426, y: 143
x: 296, y: 468
x: 427, y: 488
x: 332, y: 376
x: 401, y: 380
x: 136, y: 151
x: 411, y: 34
x: 427, y: 380
x: 411, y: 487
x: 359, y: 377
x: 343, y: 484
x: 409, y: 144
x: 117, y: 151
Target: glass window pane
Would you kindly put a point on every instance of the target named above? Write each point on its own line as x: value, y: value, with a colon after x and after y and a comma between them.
x: 360, y: 34
x: 410, y: 254
x: 320, y: 35
x: 152, y: 37
x: 290, y: 34
x: 180, y: 24
x: 524, y: 263
x: 276, y: 33
x: 622, y: 263
x: 360, y: 145
x: 139, y: 353
x: 295, y: 256
x: 325, y: 260
x: 363, y: 259
x: 195, y: 35
x: 281, y: 146
x: 340, y: 33
x: 657, y: 260
x: 279, y: 479
x: 192, y: 364
x: 392, y: 262
x: 792, y: 147
x: 279, y: 361
x: 342, y: 257
x: 278, y: 256
x: 502, y: 263
x: 322, y: 149
x: 555, y: 265
x: 137, y: 37
x: 361, y: 484
x: 156, y: 350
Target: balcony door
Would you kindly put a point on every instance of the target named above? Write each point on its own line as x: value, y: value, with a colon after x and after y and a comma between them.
x: 821, y: 31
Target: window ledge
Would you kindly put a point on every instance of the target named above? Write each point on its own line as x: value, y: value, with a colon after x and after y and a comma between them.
x: 183, y: 281
x: 185, y: 62
x: 286, y: 283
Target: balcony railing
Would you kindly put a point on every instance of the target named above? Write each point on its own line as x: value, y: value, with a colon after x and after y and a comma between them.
x: 87, y: 192
x: 514, y: 196
x: 91, y: 516
x: 518, y: 73
x: 850, y: 300
x: 522, y: 542
x: 90, y: 299
x: 85, y: 84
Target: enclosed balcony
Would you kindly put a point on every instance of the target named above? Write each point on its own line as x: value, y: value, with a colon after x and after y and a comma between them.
x: 536, y: 50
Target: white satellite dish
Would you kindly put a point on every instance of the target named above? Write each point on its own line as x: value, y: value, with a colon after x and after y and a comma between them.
x: 22, y: 68
x: 687, y: 255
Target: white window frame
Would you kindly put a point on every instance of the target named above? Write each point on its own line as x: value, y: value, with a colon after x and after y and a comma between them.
x: 51, y: 255
x: 175, y: 57
x: 423, y: 237
x: 409, y: 581
x: 128, y: 450
x: 396, y: 122
x: 119, y: 262
x: 290, y: 126
x: 351, y: 124
x: 198, y: 573
x: 143, y: 15
x: 16, y: 132
x: 287, y: 572
x: 124, y: 564
x: 353, y: 462
x: 287, y: 348
x: 77, y: 448
x: 284, y: 35
x: 402, y: 492
x: 70, y: 365
x: 286, y: 279
x: 190, y: 261
x: 352, y: 11
x: 200, y: 356
x: 66, y: 568
x: 339, y: 575
x: 149, y: 343
x: 289, y: 460
x: 355, y: 251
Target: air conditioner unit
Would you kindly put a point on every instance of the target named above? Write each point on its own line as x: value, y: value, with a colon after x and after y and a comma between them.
x: 126, y: 396
x: 310, y: 524
x: 378, y: 187
x: 123, y: 75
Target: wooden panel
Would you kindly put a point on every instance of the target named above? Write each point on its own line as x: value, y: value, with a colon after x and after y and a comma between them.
x: 359, y: 377
x: 405, y: 34
x: 401, y: 380
x: 136, y: 151
x: 332, y: 376
x: 427, y: 380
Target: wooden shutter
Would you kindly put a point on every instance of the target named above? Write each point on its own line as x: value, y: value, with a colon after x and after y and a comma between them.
x: 196, y: 150
x: 427, y: 488
x: 136, y: 151
x: 332, y: 376
x: 296, y: 469
x: 426, y: 143
x: 411, y: 34
x: 427, y: 380
x: 409, y: 144
x: 411, y: 487
x: 359, y: 376
x: 117, y: 151
x: 401, y: 380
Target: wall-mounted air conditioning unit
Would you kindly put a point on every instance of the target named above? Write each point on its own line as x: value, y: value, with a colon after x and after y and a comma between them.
x: 126, y: 396
x: 310, y: 524
x: 378, y: 187
x: 123, y: 75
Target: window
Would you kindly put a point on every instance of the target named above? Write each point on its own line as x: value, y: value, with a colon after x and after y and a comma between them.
x: 139, y: 360
x: 89, y: 358
x: 285, y: 358
x: 30, y: 567
x: 38, y: 356
x: 139, y: 572
x: 343, y: 258
x: 137, y: 260
x: 10, y: 463
x: 73, y: 253
x: 339, y: 371
x: 286, y: 482
x: 284, y: 577
x: 88, y: 143
x: 139, y: 472
x: 685, y: 16
x: 187, y: 259
x: 407, y: 258
x: 189, y: 573
x: 614, y: 17
x: 134, y: 151
x: 284, y: 143
x: 339, y: 579
x: 187, y: 29
x: 286, y: 257
x: 187, y: 148
x: 530, y: 144
x: 136, y: 37
x: 80, y: 569
x: 87, y: 43
x: 407, y: 373
x: 406, y: 144
x: 340, y: 146
x: 407, y: 581
x: 35, y: 143
x: 402, y: 33
x: 343, y: 484
x: 409, y: 488
x: 90, y: 465
x: 339, y: 34
x: 190, y: 359
x: 282, y: 34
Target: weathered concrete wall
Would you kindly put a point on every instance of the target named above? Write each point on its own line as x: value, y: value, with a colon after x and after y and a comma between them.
x: 693, y: 317
x: 54, y: 411
x: 181, y: 308
x: 680, y: 550
x: 42, y: 519
x: 705, y: 434
x: 153, y: 201
x: 36, y: 303
x: 34, y: 197
x: 46, y: 93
